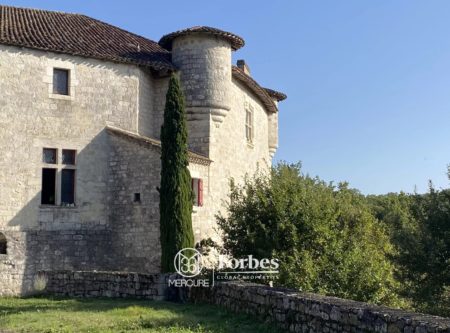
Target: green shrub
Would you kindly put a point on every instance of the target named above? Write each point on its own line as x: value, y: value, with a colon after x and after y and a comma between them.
x: 326, y: 237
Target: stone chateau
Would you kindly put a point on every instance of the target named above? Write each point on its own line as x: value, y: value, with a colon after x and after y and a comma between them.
x: 81, y: 108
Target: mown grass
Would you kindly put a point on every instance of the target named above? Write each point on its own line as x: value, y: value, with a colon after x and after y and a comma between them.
x: 112, y: 315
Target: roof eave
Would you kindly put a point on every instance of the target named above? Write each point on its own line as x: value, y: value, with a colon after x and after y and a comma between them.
x: 254, y: 87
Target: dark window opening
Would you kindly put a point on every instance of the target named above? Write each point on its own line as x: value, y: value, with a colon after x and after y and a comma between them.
x: 67, y: 187
x: 60, y: 81
x: 49, y: 155
x: 137, y: 197
x: 68, y: 156
x: 48, y: 194
x: 3, y: 244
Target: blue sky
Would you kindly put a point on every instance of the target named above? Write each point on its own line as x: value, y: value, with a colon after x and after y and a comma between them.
x: 368, y: 82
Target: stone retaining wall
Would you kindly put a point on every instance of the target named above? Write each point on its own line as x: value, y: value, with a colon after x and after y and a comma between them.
x: 105, y: 284
x: 305, y: 312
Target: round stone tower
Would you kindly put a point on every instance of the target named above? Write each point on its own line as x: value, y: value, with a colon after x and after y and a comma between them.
x: 203, y: 57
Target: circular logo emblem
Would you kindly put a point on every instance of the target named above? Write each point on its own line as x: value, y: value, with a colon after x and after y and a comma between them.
x: 188, y: 262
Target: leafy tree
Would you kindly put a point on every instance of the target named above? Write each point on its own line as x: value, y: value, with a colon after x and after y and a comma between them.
x: 175, y: 191
x: 419, y: 226
x: 326, y: 237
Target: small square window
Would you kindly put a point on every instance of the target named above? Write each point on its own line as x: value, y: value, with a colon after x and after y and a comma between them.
x: 49, y: 155
x: 137, y: 197
x: 60, y: 81
x: 68, y: 156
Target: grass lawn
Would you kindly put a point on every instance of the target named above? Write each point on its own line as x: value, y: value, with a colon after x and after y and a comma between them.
x: 111, y: 315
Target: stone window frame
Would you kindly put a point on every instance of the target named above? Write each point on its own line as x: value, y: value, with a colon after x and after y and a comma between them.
x: 73, y: 82
x: 59, y: 166
x: 196, y: 175
x: 249, y: 124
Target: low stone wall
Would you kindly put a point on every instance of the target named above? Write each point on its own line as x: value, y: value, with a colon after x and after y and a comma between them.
x: 305, y: 312
x: 104, y: 284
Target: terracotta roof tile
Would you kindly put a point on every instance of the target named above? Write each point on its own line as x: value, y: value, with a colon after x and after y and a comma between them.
x: 279, y: 96
x: 78, y: 35
x: 236, y: 41
x: 193, y: 156
x: 259, y: 91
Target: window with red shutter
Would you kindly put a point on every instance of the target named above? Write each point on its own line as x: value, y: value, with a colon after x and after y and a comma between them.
x: 197, y: 188
x: 200, y: 192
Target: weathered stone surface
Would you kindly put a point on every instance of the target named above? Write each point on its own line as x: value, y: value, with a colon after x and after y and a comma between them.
x: 106, y: 229
x: 316, y: 313
x: 105, y: 284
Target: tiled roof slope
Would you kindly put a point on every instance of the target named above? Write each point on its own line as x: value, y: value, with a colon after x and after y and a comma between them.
x: 259, y: 91
x: 193, y: 157
x: 235, y: 41
x: 279, y: 96
x: 78, y: 35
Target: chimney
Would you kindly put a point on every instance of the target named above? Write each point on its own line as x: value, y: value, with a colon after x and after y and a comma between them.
x: 243, y: 66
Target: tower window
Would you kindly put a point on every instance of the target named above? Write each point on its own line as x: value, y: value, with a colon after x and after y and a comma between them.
x: 137, y: 197
x: 3, y: 244
x: 60, y: 81
x: 249, y: 125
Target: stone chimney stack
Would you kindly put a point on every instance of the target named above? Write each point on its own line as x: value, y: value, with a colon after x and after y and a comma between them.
x: 243, y: 66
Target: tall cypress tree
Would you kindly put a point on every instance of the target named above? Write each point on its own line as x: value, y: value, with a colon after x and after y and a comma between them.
x: 175, y: 203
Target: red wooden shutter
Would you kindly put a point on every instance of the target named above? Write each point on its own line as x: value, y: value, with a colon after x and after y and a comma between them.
x: 193, y: 191
x: 200, y: 192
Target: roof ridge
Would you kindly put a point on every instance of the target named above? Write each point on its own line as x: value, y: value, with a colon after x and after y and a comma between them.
x: 83, y: 15
x: 121, y: 29
x: 41, y: 10
x: 155, y: 142
x: 79, y: 35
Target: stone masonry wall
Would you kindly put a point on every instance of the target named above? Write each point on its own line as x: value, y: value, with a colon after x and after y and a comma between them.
x: 135, y: 170
x: 233, y: 156
x: 32, y: 118
x: 105, y: 284
x: 216, y: 112
x: 305, y: 312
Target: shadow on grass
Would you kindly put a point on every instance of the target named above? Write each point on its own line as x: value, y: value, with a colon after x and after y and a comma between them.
x: 132, y: 314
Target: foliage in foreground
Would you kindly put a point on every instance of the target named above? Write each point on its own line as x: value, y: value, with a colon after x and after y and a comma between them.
x: 175, y: 192
x: 326, y: 237
x: 420, y: 230
x: 107, y: 315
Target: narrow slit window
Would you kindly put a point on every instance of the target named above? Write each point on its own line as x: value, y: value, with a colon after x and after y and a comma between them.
x: 249, y: 125
x: 67, y: 187
x: 60, y: 81
x: 3, y: 244
x: 48, y: 193
x: 137, y: 197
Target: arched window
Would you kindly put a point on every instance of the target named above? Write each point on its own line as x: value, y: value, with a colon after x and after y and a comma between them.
x: 3, y: 244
